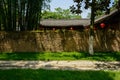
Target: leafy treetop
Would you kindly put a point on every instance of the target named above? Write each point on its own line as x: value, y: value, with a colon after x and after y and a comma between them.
x: 59, y: 13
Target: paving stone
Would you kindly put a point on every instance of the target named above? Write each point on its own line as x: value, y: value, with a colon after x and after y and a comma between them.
x: 63, y: 65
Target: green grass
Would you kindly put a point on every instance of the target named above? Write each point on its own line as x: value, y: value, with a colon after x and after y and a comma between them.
x: 108, y: 56
x: 39, y: 74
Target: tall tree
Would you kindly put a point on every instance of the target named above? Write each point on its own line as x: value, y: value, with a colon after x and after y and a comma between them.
x: 20, y: 14
x: 96, y: 6
x: 0, y: 15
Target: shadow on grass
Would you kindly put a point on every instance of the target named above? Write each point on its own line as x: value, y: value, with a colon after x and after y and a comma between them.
x: 40, y: 74
x: 99, y: 56
x: 22, y: 56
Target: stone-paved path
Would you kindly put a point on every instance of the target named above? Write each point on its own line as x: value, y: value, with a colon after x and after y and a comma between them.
x: 63, y: 65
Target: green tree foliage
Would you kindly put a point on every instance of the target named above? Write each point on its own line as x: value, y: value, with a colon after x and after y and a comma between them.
x: 89, y: 14
x: 59, y: 13
x: 116, y: 4
x: 96, y: 6
x: 46, y: 5
x: 20, y: 14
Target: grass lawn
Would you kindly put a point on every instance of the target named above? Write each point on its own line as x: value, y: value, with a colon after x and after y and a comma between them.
x: 108, y: 56
x: 29, y: 74
x: 40, y: 74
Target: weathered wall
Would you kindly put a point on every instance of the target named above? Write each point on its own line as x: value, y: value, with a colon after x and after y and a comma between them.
x: 107, y: 40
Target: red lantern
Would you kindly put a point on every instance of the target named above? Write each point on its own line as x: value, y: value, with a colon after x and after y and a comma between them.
x: 102, y: 25
x: 54, y: 29
x: 71, y: 28
x: 95, y: 28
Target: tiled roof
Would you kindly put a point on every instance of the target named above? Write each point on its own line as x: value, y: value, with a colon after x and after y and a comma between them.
x: 108, y: 16
x: 60, y: 23
x: 76, y: 22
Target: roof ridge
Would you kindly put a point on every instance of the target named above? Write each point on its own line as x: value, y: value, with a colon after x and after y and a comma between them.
x: 66, y: 19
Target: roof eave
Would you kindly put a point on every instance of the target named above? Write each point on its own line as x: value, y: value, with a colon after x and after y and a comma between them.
x: 105, y: 17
